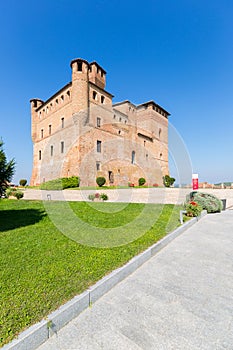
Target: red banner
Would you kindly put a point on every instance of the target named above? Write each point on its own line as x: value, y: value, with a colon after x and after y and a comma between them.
x: 195, y: 184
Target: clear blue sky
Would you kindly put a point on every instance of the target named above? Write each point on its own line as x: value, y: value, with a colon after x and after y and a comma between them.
x: 176, y: 52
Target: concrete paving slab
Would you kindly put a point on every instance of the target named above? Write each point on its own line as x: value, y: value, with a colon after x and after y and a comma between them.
x: 182, y: 298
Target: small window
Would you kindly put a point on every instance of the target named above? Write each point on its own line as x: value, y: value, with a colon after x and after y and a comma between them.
x: 102, y: 99
x: 39, y: 155
x: 98, y: 121
x: 80, y: 66
x: 119, y: 132
x: 144, y: 143
x: 94, y: 95
x: 42, y: 133
x: 62, y: 98
x: 99, y: 146
x: 114, y: 117
x: 51, y: 151
x: 146, y: 156
x: 120, y: 119
x: 50, y: 129
x: 125, y: 121
x: 57, y: 101
x: 62, y: 122
x: 97, y: 166
x: 68, y: 93
x: 161, y: 154
x: 133, y: 157
x: 160, y: 130
x: 62, y: 147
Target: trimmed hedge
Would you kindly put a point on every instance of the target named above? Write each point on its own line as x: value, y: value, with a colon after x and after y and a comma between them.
x: 208, y: 201
x: 100, y: 181
x: 61, y: 184
x: 141, y: 181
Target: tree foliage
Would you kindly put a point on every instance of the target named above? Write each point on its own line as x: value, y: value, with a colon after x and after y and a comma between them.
x: 168, y: 181
x: 7, y: 169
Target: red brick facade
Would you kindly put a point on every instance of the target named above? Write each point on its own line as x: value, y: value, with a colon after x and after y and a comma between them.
x: 78, y: 131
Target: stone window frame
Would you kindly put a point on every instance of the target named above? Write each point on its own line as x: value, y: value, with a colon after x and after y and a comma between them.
x: 98, y: 166
x: 98, y: 146
x: 133, y: 157
x: 51, y: 150
x: 94, y: 95
x: 98, y: 122
x: 62, y: 146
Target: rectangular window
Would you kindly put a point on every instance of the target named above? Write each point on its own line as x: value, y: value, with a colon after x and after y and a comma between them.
x: 98, y: 122
x: 39, y: 155
x: 51, y: 151
x: 42, y: 133
x: 62, y: 123
x: 97, y: 166
x: 50, y: 129
x: 99, y: 146
x: 62, y: 147
x: 80, y: 66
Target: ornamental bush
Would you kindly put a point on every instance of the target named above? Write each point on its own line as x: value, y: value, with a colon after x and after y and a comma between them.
x: 141, y: 181
x: 207, y: 201
x: 193, y: 208
x: 100, y: 181
x: 168, y: 181
x: 22, y: 182
x: 104, y: 196
x: 19, y: 194
x: 14, y: 193
x: 101, y: 196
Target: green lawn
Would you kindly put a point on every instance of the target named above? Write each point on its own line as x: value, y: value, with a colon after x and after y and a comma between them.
x: 41, y: 268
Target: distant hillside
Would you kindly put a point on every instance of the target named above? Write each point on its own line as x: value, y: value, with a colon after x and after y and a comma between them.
x: 224, y: 183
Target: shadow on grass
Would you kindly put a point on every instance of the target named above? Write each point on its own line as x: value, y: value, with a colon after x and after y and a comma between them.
x: 11, y: 219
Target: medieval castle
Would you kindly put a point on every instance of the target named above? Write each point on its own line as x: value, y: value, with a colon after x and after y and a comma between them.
x: 79, y: 131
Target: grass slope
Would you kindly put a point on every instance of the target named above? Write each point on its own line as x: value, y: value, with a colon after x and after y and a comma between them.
x: 40, y: 268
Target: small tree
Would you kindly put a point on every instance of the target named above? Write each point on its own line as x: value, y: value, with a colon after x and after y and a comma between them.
x: 100, y: 181
x: 23, y: 182
x: 7, y: 170
x: 168, y: 181
x: 141, y: 181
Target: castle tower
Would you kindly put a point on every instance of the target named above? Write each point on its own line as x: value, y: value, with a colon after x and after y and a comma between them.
x: 97, y: 75
x: 35, y: 103
x: 80, y: 86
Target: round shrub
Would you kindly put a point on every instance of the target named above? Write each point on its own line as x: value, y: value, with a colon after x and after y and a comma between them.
x: 23, y: 182
x: 100, y: 181
x: 141, y: 181
x: 207, y: 201
x: 104, y: 196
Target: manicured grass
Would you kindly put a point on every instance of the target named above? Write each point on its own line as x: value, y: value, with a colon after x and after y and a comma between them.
x: 41, y: 268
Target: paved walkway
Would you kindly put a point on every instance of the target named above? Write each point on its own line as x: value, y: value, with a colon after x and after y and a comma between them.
x: 181, y: 299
